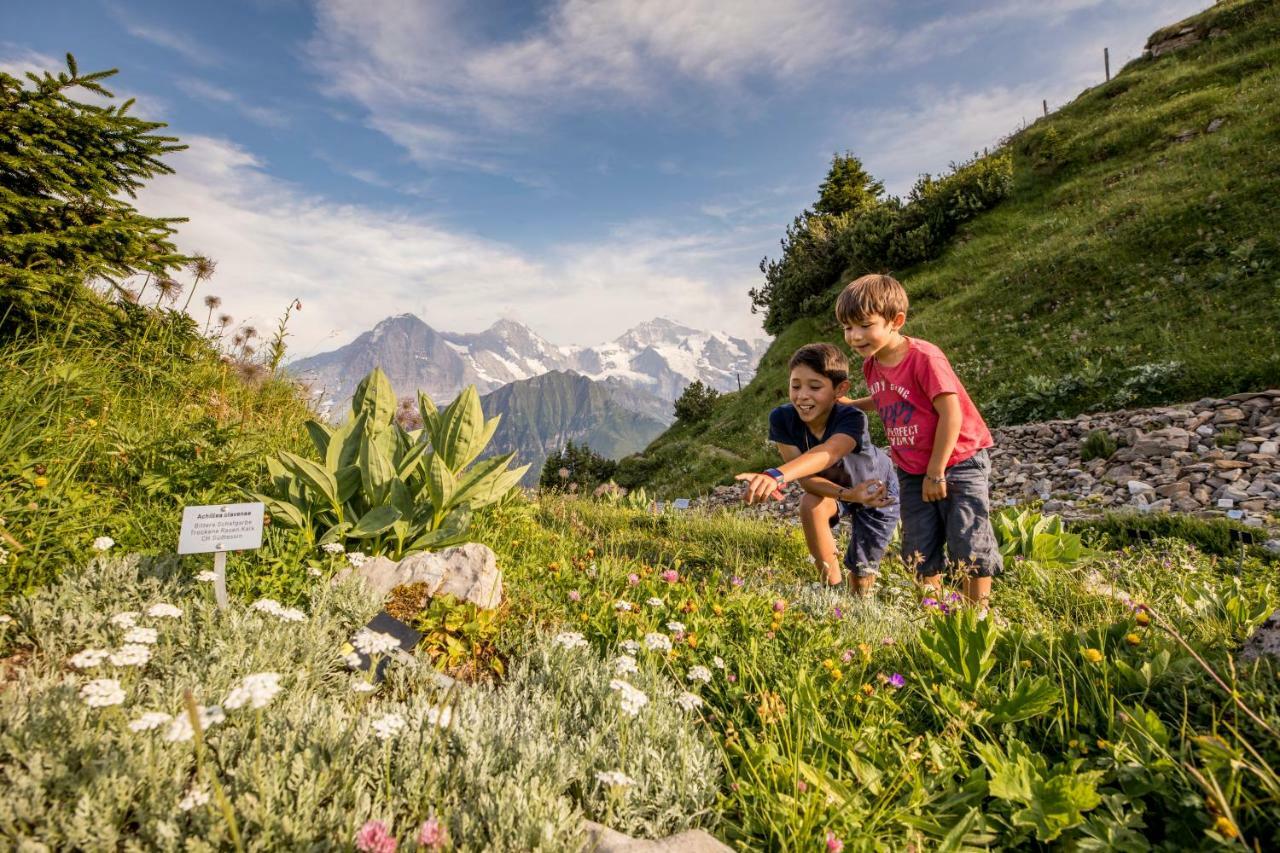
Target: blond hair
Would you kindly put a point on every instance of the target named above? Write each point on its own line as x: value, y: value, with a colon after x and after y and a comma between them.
x: 871, y: 294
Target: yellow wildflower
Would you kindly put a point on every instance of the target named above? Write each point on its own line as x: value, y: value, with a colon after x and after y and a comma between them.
x: 1143, y: 618
x: 1092, y: 655
x: 1132, y: 639
x: 41, y: 482
x: 584, y: 617
x: 868, y: 689
x: 1224, y: 827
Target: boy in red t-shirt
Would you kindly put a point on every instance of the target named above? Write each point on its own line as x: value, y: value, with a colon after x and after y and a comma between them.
x: 937, y: 438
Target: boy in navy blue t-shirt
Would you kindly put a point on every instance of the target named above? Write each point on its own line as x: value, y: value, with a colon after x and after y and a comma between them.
x: 826, y: 447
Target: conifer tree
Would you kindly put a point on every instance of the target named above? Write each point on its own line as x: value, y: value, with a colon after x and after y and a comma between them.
x: 848, y: 188
x: 68, y: 174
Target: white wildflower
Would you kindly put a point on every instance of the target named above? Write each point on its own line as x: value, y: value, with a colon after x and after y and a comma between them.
x: 103, y: 543
x: 625, y: 665
x: 717, y: 662
x: 314, y: 572
x: 631, y: 698
x: 614, y: 778
x: 102, y: 692
x: 148, y: 721
x: 363, y: 686
x: 630, y: 646
x: 267, y: 605
x: 291, y: 614
x: 353, y: 660
x: 356, y: 559
x: 622, y: 606
x: 180, y: 729
x: 388, y: 726
x: 141, y: 636
x: 372, y: 642
x: 656, y: 602
x: 88, y: 658
x: 127, y: 619
x: 333, y: 548
x: 676, y: 627
x: 207, y: 576
x: 4, y: 555
x: 5, y: 618
x: 570, y: 640
x: 133, y: 654
x: 440, y: 716
x: 655, y: 642
x: 689, y: 701
x: 699, y: 673
x: 256, y: 691
x: 195, y: 797
x: 164, y: 611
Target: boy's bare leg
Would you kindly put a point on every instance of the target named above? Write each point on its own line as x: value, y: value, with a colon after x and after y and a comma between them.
x: 815, y: 518
x: 978, y: 591
x: 862, y: 585
x: 933, y: 582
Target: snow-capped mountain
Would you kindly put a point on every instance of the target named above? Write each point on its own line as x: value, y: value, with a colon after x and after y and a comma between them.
x: 647, y: 367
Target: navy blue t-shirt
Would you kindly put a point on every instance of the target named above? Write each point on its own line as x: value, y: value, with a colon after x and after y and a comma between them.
x: 865, y: 462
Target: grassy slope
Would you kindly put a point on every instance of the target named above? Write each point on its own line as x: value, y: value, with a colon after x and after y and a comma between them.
x: 1126, y: 267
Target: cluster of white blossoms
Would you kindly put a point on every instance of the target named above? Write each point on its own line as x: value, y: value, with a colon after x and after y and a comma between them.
x: 195, y: 797
x: 180, y: 728
x: 356, y: 559
x: 103, y: 543
x: 570, y: 640
x: 676, y: 627
x: 440, y: 716
x: 132, y: 654
x: 629, y: 646
x: 89, y: 658
x: 656, y: 602
x: 256, y: 691
x: 142, y: 636
x: 388, y: 726
x: 717, y: 662
x: 622, y: 606
x: 333, y: 548
x: 126, y: 619
x: 274, y: 608
x: 163, y: 610
x: 689, y: 701
x: 699, y: 673
x: 656, y: 642
x: 625, y: 665
x: 614, y: 778
x: 148, y: 721
x: 370, y: 642
x: 629, y: 697
x: 207, y: 576
x: 102, y: 692
x: 362, y: 686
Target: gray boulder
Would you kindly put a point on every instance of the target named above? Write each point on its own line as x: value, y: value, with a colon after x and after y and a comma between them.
x: 468, y: 572
x: 602, y: 839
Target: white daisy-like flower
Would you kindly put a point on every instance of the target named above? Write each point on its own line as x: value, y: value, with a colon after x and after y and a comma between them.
x: 102, y: 692
x: 127, y: 619
x: 89, y: 658
x: 622, y: 606
x: 267, y: 605
x: 570, y: 640
x: 291, y: 614
x: 333, y: 548
x: 630, y: 646
x: 372, y: 642
x: 655, y: 642
x: 689, y: 701
x: 629, y: 697
x: 363, y: 686
x: 353, y: 660
x: 148, y: 721
x: 440, y: 716
x: 717, y: 662
x: 207, y: 576
x: 180, y: 729
x: 256, y: 691
x: 141, y: 636
x: 699, y: 673
x: 314, y: 572
x: 625, y: 665
x: 194, y: 798
x: 164, y: 611
x: 103, y: 543
x: 388, y: 726
x: 356, y: 559
x: 676, y: 627
x: 133, y: 654
x: 656, y: 602
x: 614, y: 778
x: 5, y: 618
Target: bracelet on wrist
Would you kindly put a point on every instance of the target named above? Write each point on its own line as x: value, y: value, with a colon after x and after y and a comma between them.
x: 937, y: 481
x: 776, y: 474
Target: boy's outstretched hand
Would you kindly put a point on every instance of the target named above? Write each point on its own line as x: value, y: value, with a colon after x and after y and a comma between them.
x: 871, y: 493
x: 760, y: 487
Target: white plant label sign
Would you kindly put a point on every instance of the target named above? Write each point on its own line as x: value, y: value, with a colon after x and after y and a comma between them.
x: 219, y: 529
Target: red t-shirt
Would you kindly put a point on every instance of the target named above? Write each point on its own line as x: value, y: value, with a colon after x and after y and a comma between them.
x: 904, y: 395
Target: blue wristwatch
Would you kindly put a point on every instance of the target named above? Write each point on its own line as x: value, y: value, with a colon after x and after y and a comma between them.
x: 776, y: 474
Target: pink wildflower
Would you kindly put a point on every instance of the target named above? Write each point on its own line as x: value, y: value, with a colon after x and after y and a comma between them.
x: 671, y: 576
x: 897, y: 680
x: 888, y: 641
x: 847, y: 656
x: 779, y: 606
x: 574, y: 595
x: 373, y: 837
x: 801, y: 786
x: 834, y: 844
x: 736, y: 581
x: 633, y: 579
x: 431, y: 833
x: 732, y: 678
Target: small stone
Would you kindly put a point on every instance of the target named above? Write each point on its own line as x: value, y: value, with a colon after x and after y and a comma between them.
x: 1137, y: 487
x: 1215, y: 125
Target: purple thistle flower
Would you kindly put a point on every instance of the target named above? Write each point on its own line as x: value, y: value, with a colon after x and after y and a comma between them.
x: 953, y: 598
x: 633, y: 579
x: 897, y: 680
x: 847, y: 656
x: 839, y: 613
x: 736, y: 581
x: 930, y: 602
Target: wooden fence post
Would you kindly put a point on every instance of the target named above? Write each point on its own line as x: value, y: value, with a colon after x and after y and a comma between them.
x: 1106, y: 62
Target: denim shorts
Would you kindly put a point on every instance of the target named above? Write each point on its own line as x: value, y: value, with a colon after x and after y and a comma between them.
x: 960, y: 523
x: 872, y: 531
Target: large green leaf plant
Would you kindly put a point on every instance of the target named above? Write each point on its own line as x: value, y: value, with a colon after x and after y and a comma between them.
x: 396, y: 492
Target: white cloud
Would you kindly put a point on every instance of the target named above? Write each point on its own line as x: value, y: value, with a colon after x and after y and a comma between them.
x: 204, y: 90
x: 354, y: 265
x: 180, y: 43
x: 17, y: 62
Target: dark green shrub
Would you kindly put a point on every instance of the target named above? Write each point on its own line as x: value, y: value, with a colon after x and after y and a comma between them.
x: 696, y: 402
x: 576, y: 468
x: 1098, y: 444
x: 1213, y: 536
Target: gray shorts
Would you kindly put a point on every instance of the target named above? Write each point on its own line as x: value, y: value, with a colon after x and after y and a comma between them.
x: 960, y: 522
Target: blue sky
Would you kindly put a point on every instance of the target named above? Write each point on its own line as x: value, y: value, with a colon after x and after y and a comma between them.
x: 578, y: 165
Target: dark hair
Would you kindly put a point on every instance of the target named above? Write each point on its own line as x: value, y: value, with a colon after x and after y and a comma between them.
x: 872, y: 294
x: 824, y: 359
